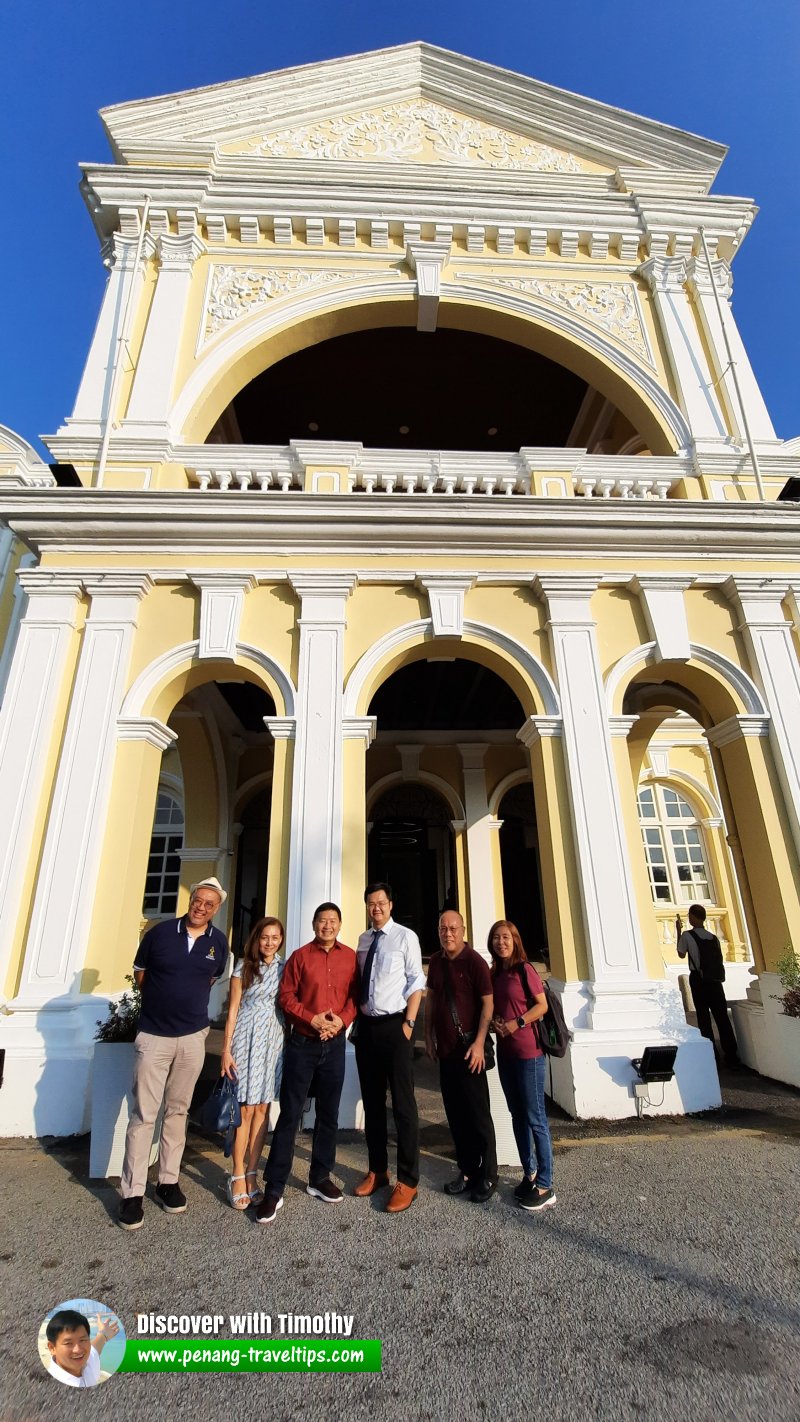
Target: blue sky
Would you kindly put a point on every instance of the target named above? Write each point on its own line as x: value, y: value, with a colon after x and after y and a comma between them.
x: 728, y: 73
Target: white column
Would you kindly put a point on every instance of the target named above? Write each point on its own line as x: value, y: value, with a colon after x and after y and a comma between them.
x: 702, y: 294
x: 70, y: 858
x: 315, y: 852
x: 776, y: 671
x: 666, y: 277
x: 153, y: 385
x: 481, y: 827
x: 27, y: 727
x: 91, y: 404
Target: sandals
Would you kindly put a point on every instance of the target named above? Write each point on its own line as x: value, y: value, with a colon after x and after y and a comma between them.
x: 241, y: 1200
x: 255, y: 1196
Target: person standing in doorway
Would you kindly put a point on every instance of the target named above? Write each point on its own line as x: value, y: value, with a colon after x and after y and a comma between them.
x: 392, y: 982
x: 706, y: 976
x: 175, y: 966
x: 318, y: 997
x: 458, y: 1010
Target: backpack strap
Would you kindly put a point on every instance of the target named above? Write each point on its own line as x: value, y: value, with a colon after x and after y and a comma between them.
x: 522, y: 969
x: 451, y: 1002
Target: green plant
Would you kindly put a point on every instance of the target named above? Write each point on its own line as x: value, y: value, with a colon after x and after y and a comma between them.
x: 122, y: 1021
x: 788, y: 966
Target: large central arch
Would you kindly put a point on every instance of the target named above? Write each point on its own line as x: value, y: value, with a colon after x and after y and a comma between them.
x: 231, y: 359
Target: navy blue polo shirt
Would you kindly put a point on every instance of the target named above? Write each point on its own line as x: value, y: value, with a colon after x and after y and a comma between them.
x: 177, y: 983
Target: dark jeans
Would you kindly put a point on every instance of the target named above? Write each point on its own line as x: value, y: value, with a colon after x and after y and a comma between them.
x: 384, y: 1058
x: 709, y: 1001
x: 310, y: 1066
x: 466, y: 1102
x: 523, y: 1087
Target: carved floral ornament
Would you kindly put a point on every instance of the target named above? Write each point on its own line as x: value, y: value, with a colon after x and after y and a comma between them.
x: 413, y: 130
x: 611, y: 305
x: 235, y: 292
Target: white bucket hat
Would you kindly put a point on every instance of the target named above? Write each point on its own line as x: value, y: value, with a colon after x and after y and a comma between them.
x: 210, y: 884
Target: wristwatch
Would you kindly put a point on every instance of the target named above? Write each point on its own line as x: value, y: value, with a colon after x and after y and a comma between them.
x: 410, y: 1022
x: 521, y: 1022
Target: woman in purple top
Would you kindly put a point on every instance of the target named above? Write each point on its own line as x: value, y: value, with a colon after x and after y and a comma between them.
x: 520, y: 1061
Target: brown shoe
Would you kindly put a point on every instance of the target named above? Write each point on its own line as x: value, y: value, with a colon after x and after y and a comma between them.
x: 400, y: 1198
x: 371, y: 1183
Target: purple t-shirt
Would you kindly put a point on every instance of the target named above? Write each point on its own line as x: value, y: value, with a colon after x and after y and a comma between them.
x: 470, y: 981
x: 510, y: 1001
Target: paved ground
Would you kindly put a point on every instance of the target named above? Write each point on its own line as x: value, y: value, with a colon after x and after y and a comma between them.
x: 664, y: 1285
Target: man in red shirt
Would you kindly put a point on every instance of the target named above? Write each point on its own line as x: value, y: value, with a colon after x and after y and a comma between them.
x: 319, y: 998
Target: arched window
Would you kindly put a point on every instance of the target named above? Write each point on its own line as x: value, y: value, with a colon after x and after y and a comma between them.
x: 164, y: 865
x: 673, y: 847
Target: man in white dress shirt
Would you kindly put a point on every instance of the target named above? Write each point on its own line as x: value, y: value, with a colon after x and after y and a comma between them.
x: 74, y: 1357
x: 392, y: 983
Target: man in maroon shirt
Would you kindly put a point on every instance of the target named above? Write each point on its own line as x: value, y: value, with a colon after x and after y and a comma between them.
x: 459, y: 986
x: 319, y: 998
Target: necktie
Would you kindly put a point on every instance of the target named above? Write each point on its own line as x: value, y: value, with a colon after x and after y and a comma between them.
x: 367, y: 974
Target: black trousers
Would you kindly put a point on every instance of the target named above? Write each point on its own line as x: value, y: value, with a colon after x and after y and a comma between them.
x: 386, y: 1059
x: 309, y: 1065
x: 466, y: 1103
x: 709, y: 1001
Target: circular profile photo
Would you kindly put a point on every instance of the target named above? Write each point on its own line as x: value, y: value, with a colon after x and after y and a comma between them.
x: 81, y: 1343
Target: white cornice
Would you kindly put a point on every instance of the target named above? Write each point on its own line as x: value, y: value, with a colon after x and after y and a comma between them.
x: 224, y: 112
x: 161, y: 523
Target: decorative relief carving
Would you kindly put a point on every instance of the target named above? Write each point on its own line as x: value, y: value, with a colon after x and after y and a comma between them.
x: 413, y: 130
x: 237, y: 291
x: 610, y: 305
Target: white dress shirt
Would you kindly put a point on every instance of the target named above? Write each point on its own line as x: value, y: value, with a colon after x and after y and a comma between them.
x: 90, y: 1376
x: 396, y: 969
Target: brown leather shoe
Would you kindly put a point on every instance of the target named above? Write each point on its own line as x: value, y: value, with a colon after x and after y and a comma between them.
x: 400, y: 1198
x: 371, y: 1183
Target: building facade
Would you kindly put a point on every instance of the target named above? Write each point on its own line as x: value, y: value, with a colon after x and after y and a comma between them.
x: 417, y: 516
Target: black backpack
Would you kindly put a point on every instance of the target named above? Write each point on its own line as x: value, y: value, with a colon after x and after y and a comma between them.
x: 709, y: 956
x: 554, y: 1034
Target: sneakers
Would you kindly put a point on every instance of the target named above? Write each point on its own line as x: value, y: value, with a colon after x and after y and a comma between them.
x: 539, y: 1200
x: 131, y: 1213
x: 171, y: 1198
x: 268, y: 1209
x: 457, y: 1185
x: 525, y: 1189
x: 483, y: 1191
x: 327, y: 1191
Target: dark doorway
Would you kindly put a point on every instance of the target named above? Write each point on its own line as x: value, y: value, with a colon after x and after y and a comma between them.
x: 410, y: 846
x: 519, y: 854
x: 251, y: 868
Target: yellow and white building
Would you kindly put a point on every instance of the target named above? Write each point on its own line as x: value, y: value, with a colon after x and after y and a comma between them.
x: 418, y: 514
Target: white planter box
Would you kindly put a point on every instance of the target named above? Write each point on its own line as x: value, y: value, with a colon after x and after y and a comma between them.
x: 769, y: 1041
x: 112, y: 1099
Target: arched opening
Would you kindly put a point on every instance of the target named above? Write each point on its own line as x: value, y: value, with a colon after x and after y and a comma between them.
x: 411, y: 846
x: 522, y: 878
x: 397, y: 388
x: 446, y: 740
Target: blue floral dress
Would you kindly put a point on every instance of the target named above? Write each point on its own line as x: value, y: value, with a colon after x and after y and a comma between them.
x: 257, y: 1045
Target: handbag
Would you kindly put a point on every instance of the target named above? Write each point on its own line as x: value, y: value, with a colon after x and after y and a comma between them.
x: 221, y: 1114
x: 465, y: 1038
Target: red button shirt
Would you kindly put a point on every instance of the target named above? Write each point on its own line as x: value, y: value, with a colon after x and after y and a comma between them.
x: 315, y: 981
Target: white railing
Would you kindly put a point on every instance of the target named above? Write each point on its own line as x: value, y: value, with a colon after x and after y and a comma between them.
x: 273, y: 469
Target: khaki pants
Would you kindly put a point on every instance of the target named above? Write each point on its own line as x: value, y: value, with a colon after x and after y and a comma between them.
x: 166, y: 1070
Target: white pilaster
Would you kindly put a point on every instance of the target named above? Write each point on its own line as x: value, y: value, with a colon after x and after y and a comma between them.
x: 315, y: 851
x: 124, y: 287
x: 702, y: 293
x: 666, y: 277
x: 152, y: 393
x: 66, y: 884
x: 27, y: 561
x: 27, y: 726
x: 776, y: 671
x: 481, y: 827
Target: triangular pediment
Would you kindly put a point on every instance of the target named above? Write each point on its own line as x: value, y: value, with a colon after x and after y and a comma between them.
x: 410, y: 131
x: 415, y: 103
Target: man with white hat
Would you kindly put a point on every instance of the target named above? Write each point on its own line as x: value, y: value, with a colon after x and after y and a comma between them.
x: 175, y: 966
